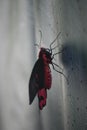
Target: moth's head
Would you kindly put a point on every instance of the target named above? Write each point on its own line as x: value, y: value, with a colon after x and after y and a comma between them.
x: 46, y: 55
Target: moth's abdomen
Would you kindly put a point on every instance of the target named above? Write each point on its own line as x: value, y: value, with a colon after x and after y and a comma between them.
x: 48, y: 77
x: 42, y: 95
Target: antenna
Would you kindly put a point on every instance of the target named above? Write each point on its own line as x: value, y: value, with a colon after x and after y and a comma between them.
x: 54, y: 41
x: 39, y: 45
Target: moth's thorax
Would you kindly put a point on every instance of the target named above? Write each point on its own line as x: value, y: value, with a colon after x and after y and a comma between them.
x: 45, y: 55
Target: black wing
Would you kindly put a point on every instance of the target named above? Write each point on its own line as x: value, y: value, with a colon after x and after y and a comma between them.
x: 36, y: 80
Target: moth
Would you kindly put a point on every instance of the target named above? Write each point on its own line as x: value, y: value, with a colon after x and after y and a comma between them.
x: 41, y: 77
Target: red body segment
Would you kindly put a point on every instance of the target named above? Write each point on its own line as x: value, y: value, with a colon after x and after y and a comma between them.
x: 47, y: 76
x: 42, y: 95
